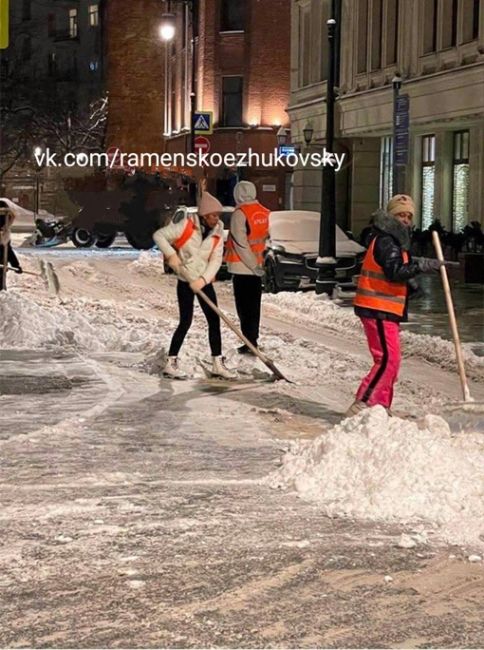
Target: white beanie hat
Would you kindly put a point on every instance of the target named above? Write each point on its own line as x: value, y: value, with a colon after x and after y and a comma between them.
x: 245, y: 192
x: 208, y: 204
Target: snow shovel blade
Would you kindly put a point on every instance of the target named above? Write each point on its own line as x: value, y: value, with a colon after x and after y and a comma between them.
x: 52, y: 279
x: 275, y: 370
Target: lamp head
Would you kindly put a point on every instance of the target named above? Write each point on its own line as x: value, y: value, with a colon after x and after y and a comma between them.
x: 168, y: 27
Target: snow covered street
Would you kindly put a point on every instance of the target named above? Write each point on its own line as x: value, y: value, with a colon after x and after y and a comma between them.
x: 142, y: 512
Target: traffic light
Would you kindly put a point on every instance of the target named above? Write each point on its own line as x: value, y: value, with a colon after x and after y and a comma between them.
x: 4, y: 20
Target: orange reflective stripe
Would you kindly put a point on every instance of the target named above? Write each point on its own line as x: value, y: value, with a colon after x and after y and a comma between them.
x: 185, y: 236
x: 216, y: 239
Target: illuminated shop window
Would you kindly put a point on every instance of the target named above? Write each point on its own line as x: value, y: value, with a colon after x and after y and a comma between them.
x: 460, y: 181
x: 428, y: 180
x: 386, y: 170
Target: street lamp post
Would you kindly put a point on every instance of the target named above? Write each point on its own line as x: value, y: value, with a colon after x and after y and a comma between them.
x: 167, y: 33
x: 326, y: 262
x: 38, y: 153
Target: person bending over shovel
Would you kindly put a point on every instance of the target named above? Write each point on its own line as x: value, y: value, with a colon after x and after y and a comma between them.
x: 193, y: 248
x: 381, y: 302
x: 7, y: 254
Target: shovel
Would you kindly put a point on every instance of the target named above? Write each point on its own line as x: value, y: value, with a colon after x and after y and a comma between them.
x: 47, y: 273
x: 468, y: 400
x: 265, y: 360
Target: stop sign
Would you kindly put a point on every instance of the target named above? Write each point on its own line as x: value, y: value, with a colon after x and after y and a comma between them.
x: 202, y: 144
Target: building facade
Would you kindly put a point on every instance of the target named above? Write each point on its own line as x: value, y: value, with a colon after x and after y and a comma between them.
x: 437, y: 47
x: 241, y: 62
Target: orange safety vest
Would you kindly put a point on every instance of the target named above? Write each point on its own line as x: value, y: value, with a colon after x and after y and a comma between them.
x: 374, y: 291
x: 188, y: 232
x: 257, y: 217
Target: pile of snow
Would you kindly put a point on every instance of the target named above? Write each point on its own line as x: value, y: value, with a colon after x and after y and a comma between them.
x: 380, y: 468
x: 149, y: 262
x: 307, y: 308
x: 82, y: 324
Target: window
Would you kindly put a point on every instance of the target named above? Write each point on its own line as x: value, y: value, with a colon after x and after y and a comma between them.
x: 428, y: 180
x: 51, y: 64
x: 460, y: 181
x: 233, y: 16
x: 232, y: 92
x: 430, y: 26
x: 26, y: 10
x: 376, y: 33
x: 73, y: 23
x: 94, y: 66
x: 51, y: 24
x: 304, y: 45
x: 470, y: 27
x: 386, y: 170
x: 362, y: 36
x: 93, y: 12
x: 392, y: 16
x: 449, y: 23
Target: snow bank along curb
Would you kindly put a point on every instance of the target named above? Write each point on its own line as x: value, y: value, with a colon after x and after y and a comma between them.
x: 305, y: 308
x: 376, y: 467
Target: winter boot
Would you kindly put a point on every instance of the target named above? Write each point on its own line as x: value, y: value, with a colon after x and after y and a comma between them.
x: 219, y: 369
x: 172, y: 370
x: 356, y: 408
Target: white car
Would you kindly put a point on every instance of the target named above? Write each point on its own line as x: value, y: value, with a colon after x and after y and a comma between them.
x: 24, y: 219
x: 292, y: 251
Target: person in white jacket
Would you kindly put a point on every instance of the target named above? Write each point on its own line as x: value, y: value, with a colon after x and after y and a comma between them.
x: 193, y: 247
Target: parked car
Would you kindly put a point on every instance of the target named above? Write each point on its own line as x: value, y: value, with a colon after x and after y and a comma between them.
x: 290, y: 260
x: 223, y: 274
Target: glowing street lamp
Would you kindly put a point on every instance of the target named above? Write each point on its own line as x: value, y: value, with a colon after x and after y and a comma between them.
x: 168, y: 27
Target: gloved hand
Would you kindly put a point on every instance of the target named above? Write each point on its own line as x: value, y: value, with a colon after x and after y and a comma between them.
x: 430, y: 265
x: 259, y: 271
x: 174, y: 262
x: 19, y: 270
x: 197, y: 285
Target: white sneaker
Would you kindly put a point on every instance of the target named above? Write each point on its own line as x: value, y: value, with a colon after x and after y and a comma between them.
x: 172, y: 370
x: 219, y: 369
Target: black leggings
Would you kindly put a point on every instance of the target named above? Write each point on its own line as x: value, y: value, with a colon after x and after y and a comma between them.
x: 185, y: 303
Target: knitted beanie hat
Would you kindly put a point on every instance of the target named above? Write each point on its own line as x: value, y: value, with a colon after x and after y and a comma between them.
x: 401, y: 203
x: 209, y: 204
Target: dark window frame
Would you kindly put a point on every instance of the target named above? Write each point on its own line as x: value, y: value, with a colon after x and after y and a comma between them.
x: 233, y: 16
x: 225, y: 120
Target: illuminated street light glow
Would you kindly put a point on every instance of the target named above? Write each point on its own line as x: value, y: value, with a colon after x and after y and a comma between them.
x: 167, y: 27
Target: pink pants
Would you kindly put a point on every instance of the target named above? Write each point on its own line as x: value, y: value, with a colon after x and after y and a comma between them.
x: 384, y: 342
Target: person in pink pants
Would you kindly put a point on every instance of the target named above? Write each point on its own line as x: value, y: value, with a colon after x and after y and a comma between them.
x: 386, y: 281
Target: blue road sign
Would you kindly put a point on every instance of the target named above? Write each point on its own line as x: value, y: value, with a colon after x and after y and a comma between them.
x: 203, y: 122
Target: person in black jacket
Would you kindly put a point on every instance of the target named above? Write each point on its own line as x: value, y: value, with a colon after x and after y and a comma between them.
x: 386, y: 282
x: 7, y: 254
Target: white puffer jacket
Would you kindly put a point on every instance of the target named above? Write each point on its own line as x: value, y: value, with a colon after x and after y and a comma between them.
x: 200, y: 257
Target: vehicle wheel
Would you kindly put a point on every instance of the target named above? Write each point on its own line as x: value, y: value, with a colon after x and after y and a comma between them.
x: 105, y: 240
x: 82, y: 238
x: 140, y: 242
x: 270, y: 278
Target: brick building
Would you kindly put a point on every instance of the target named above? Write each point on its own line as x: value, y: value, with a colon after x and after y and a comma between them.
x: 242, y: 59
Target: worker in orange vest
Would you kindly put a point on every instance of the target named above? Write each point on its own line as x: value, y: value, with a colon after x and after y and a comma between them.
x: 382, y: 295
x: 193, y: 247
x: 249, y: 230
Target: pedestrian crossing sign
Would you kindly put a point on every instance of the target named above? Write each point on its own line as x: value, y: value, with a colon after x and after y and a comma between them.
x: 4, y: 18
x: 203, y: 122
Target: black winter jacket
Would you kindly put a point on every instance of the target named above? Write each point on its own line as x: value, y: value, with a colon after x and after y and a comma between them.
x: 392, y: 238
